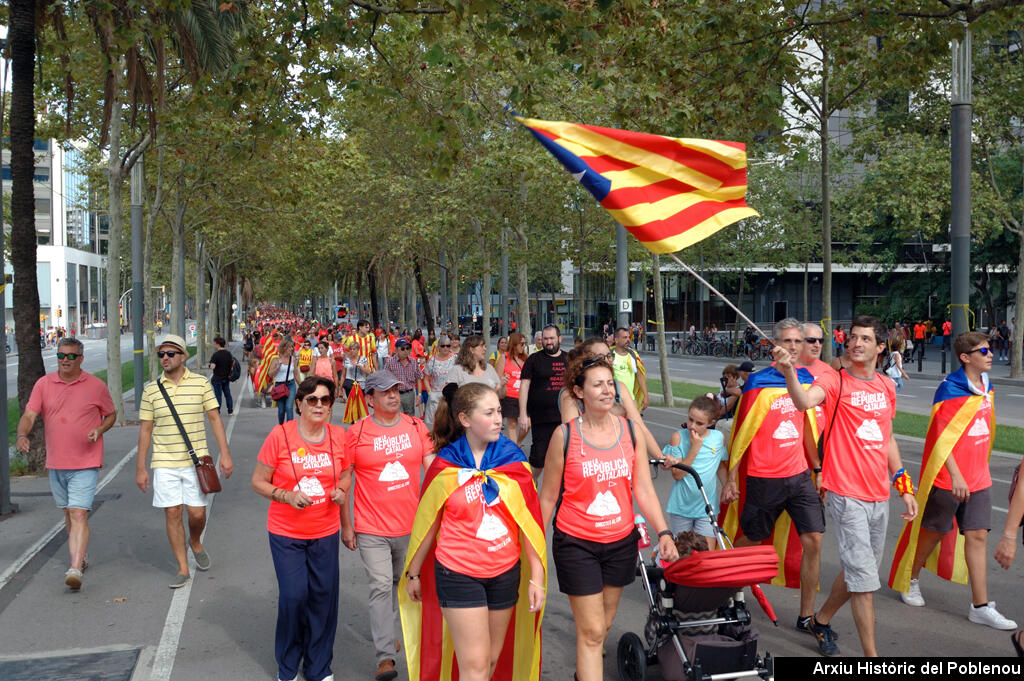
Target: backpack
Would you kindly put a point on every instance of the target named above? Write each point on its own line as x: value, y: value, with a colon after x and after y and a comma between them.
x: 891, y: 369
x: 236, y: 370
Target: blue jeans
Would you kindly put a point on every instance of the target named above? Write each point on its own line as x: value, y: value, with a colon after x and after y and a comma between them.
x: 307, y: 604
x: 223, y: 386
x: 286, y: 407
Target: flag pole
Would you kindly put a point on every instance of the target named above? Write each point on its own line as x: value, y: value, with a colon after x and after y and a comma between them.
x: 718, y: 293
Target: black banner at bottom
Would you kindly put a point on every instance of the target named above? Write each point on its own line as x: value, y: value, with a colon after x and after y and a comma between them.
x: 899, y: 669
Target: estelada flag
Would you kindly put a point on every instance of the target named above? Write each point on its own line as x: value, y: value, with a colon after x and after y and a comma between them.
x: 355, y: 406
x: 954, y: 414
x: 507, y: 479
x: 760, y: 390
x: 669, y: 192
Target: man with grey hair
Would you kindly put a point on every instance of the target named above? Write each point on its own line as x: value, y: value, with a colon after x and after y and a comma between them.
x: 810, y: 353
x: 76, y: 410
x: 771, y: 458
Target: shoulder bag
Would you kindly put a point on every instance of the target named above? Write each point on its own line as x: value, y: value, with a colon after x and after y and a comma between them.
x: 205, y: 470
x: 280, y: 390
x: 825, y: 434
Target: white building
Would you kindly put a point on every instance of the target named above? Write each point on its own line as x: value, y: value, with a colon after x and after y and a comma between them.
x: 72, y: 241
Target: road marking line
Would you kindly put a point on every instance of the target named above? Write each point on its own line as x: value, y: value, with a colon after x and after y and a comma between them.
x: 167, y: 649
x: 1014, y: 395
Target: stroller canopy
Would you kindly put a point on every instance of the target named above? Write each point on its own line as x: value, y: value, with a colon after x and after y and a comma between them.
x: 734, y: 568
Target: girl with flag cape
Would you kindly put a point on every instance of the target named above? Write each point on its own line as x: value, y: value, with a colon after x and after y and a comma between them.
x: 472, y: 596
x: 954, y: 491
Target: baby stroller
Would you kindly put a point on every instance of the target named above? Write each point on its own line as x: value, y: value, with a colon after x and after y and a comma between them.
x: 698, y: 627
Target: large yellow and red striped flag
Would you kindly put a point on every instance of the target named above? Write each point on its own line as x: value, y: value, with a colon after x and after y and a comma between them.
x: 669, y: 192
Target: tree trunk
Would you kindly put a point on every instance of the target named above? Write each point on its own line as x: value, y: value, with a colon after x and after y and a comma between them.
x: 115, y: 207
x: 826, y: 216
x: 453, y: 274
x: 659, y: 317
x: 807, y: 311
x: 177, y: 266
x: 21, y: 35
x: 427, y: 311
x: 1017, y: 337
x: 371, y: 278
x: 522, y: 284
x: 200, y: 297
x: 155, y: 206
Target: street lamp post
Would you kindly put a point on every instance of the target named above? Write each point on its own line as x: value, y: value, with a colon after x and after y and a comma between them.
x: 960, y: 197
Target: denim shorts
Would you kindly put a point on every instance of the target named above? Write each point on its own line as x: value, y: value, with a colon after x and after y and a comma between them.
x: 458, y: 590
x: 74, y: 488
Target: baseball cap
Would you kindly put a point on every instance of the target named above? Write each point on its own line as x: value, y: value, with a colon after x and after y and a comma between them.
x: 402, y: 343
x: 380, y: 380
x: 173, y: 340
x: 746, y: 366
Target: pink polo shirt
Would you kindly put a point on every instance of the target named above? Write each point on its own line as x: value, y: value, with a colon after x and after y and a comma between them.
x: 70, y: 411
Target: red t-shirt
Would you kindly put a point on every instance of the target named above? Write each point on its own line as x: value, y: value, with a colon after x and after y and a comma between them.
x: 313, y: 467
x: 777, y: 449
x: 947, y: 328
x: 470, y: 530
x: 919, y: 331
x: 857, y: 448
x: 597, y: 504
x: 514, y: 370
x: 971, y: 452
x: 70, y: 411
x: 338, y: 352
x: 388, y: 461
x: 817, y: 368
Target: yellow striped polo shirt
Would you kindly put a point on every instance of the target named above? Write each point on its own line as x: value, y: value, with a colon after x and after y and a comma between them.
x: 193, y: 397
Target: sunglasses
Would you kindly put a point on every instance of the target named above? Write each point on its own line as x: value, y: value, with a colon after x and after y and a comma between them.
x: 445, y: 345
x: 324, y: 400
x: 594, y: 361
x: 168, y: 353
x: 68, y: 355
x: 813, y: 340
x: 982, y: 351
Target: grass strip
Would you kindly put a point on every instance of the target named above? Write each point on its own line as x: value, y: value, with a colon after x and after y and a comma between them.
x: 1008, y: 438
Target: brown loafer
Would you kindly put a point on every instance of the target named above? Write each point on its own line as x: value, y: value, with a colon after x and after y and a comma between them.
x: 386, y: 671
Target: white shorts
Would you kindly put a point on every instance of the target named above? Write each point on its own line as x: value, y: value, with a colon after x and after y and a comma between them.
x: 177, y: 486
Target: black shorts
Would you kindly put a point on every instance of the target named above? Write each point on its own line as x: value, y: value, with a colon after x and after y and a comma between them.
x: 510, y: 407
x: 767, y: 498
x: 942, y: 507
x: 585, y: 567
x: 541, y: 437
x: 457, y: 590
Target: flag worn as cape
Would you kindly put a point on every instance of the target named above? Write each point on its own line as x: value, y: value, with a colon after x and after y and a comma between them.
x: 355, y: 406
x: 953, y: 412
x: 759, y: 391
x: 428, y: 647
x: 262, y: 378
x: 668, y: 192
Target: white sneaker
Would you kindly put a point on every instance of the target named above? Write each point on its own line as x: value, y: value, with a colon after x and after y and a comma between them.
x: 913, y: 597
x: 989, y: 616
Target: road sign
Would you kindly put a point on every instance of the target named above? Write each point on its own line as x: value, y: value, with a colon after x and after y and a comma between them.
x: 626, y: 305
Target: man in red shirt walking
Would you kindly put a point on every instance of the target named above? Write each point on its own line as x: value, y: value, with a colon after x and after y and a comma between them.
x: 74, y: 442
x: 389, y: 451
x: 860, y: 455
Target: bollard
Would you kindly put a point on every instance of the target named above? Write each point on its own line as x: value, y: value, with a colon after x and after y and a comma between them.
x: 920, y: 360
x: 943, y: 361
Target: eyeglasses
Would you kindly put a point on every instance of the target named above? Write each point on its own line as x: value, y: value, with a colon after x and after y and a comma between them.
x: 68, y: 355
x: 168, y: 353
x: 981, y: 351
x: 593, y: 361
x: 324, y: 400
x: 811, y: 339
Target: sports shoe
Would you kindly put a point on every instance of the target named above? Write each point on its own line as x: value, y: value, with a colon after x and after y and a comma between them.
x: 386, y: 671
x: 913, y: 596
x: 804, y: 624
x: 826, y: 639
x: 990, y: 617
x: 73, y: 579
x: 179, y: 581
x: 202, y: 560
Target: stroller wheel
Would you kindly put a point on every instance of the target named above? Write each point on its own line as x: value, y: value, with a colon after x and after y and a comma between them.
x: 632, y: 658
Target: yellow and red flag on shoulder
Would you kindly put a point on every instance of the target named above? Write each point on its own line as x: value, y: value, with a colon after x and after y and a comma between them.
x: 669, y: 192
x: 958, y: 415
x: 429, y: 651
x: 760, y: 390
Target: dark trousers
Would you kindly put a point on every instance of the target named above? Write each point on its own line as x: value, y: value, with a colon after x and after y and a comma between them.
x: 307, y: 604
x: 223, y: 386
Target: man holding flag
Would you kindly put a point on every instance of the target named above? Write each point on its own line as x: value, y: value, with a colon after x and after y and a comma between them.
x: 771, y: 455
x: 955, y: 488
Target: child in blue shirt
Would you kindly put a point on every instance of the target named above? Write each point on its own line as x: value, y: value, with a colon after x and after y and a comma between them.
x: 703, y: 449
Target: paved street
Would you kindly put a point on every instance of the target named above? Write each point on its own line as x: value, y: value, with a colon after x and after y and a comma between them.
x: 222, y: 625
